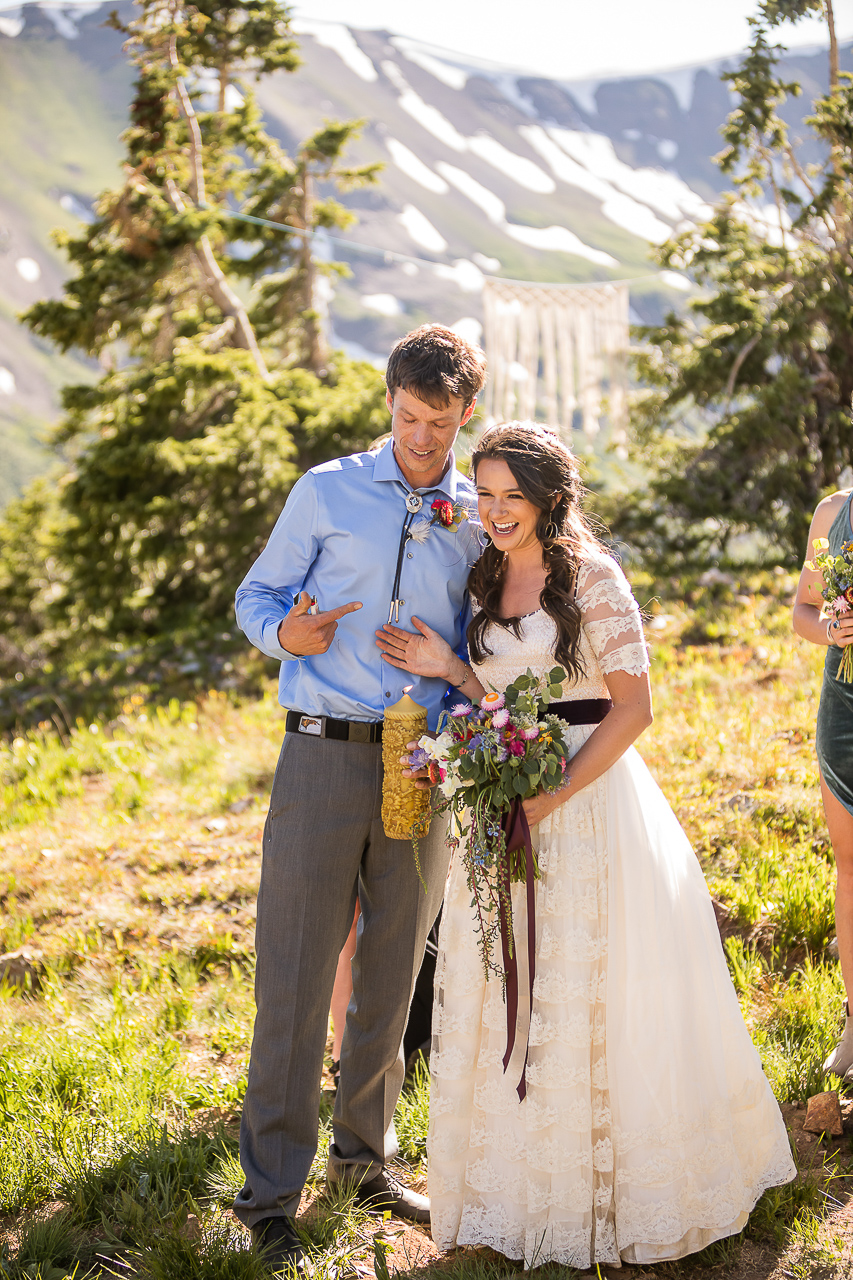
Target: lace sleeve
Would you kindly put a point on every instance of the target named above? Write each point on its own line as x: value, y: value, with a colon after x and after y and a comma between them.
x: 611, y: 617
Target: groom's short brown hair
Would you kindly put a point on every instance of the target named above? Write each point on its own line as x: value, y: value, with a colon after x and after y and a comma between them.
x: 434, y: 363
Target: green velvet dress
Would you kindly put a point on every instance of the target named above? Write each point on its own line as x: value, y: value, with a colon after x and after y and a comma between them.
x: 834, y: 736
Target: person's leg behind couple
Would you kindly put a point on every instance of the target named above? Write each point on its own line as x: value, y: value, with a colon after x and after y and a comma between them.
x: 323, y: 846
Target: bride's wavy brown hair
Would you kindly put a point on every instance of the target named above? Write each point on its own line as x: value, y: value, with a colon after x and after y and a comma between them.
x: 546, y: 473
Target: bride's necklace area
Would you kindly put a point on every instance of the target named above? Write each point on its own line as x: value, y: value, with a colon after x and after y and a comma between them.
x: 523, y: 596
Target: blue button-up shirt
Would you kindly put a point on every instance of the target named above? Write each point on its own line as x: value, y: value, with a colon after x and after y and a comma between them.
x: 338, y: 538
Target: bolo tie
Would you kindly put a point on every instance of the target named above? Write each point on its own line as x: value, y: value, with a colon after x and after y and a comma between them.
x: 414, y: 502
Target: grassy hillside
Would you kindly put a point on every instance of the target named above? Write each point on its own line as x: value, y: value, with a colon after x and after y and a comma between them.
x: 129, y: 861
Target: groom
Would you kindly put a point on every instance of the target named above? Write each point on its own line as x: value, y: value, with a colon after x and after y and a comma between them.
x: 358, y: 536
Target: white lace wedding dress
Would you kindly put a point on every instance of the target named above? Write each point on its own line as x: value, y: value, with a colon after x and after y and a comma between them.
x: 649, y: 1129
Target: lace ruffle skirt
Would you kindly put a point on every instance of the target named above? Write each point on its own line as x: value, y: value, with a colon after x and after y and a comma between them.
x: 649, y: 1129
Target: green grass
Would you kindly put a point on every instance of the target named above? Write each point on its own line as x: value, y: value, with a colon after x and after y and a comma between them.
x: 129, y: 859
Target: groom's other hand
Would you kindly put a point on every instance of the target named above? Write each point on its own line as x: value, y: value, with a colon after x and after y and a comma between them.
x: 303, y: 633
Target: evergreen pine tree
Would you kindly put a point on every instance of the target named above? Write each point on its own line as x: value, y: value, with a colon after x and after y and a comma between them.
x: 745, y: 412
x: 216, y: 386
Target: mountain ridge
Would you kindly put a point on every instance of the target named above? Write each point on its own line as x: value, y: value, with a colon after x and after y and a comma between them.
x: 488, y: 171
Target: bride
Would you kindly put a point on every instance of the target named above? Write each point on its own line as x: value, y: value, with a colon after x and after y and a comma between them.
x: 648, y: 1129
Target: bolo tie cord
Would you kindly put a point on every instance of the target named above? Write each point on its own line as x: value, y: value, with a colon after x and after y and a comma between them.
x: 394, y: 611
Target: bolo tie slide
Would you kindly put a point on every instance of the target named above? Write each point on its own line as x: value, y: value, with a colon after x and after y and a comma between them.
x: 414, y: 502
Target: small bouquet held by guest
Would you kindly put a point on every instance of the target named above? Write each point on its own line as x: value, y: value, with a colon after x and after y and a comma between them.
x: 486, y: 760
x: 837, y: 573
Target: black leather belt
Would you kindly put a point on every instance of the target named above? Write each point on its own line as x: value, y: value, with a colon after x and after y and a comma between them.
x: 582, y: 711
x: 326, y: 727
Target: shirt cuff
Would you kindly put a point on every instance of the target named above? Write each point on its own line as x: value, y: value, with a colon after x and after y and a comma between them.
x: 270, y: 645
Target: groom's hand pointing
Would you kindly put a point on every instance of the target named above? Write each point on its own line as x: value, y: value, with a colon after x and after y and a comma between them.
x: 303, y: 633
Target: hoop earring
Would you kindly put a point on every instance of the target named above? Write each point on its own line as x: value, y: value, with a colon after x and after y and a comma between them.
x: 552, y: 537
x: 483, y: 539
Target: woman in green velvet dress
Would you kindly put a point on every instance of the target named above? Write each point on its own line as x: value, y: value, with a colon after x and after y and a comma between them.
x: 834, y: 743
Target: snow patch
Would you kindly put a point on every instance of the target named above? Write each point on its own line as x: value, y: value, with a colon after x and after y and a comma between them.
x: 463, y: 273
x: 676, y: 280
x: 415, y: 168
x: 335, y: 36
x: 620, y: 209
x: 446, y: 72
x: 12, y: 23
x: 469, y: 330
x: 487, y: 263
x: 493, y: 207
x: 430, y: 118
x: 583, y: 92
x: 66, y: 16
x: 76, y: 208
x: 28, y: 269
x: 635, y: 218
x: 562, y: 165
x: 421, y: 230
x: 681, y: 81
x: 558, y: 240
x: 768, y: 221
x: 523, y: 171
x: 64, y: 25
x: 664, y: 192
x: 7, y: 382
x: 385, y: 303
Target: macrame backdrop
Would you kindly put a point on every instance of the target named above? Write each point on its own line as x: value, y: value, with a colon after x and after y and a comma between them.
x: 554, y: 349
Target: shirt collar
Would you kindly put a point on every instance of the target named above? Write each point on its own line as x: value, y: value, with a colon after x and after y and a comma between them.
x: 386, y: 468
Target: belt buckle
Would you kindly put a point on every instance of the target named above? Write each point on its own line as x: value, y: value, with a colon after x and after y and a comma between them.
x: 310, y: 724
x: 359, y: 731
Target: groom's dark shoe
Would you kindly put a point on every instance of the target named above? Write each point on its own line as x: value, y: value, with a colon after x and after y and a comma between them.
x: 278, y: 1245
x: 383, y: 1192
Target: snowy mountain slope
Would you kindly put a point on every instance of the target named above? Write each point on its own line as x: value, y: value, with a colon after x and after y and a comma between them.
x: 487, y: 172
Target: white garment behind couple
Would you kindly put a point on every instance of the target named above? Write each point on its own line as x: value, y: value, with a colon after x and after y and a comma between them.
x: 649, y: 1129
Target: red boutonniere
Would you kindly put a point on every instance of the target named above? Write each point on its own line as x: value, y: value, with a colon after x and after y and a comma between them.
x: 448, y: 514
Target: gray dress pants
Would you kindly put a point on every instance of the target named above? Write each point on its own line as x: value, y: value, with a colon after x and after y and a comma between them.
x: 324, y: 846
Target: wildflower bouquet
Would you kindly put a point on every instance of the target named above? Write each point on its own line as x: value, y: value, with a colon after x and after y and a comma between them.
x: 837, y: 574
x: 486, y: 761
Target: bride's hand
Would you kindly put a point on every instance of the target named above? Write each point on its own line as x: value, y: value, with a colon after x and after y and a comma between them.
x: 423, y: 654
x: 537, y: 807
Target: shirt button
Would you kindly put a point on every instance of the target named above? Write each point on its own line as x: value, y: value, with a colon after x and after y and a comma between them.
x: 408, y: 555
x: 387, y: 694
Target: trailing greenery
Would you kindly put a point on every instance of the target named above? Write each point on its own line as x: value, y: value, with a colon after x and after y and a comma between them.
x: 745, y: 409
x: 217, y: 389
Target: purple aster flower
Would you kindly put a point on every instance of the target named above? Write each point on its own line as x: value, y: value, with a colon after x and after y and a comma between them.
x: 418, y: 759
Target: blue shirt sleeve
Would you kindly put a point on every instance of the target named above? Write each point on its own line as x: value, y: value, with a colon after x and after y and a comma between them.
x: 465, y: 618
x: 266, y: 594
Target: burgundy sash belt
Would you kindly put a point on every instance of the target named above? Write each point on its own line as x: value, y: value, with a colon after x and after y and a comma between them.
x: 517, y: 834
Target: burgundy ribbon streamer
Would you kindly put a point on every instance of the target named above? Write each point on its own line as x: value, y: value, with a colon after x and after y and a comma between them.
x: 517, y: 833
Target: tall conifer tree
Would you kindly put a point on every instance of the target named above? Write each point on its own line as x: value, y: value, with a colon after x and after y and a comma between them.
x: 746, y: 411
x: 216, y: 384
